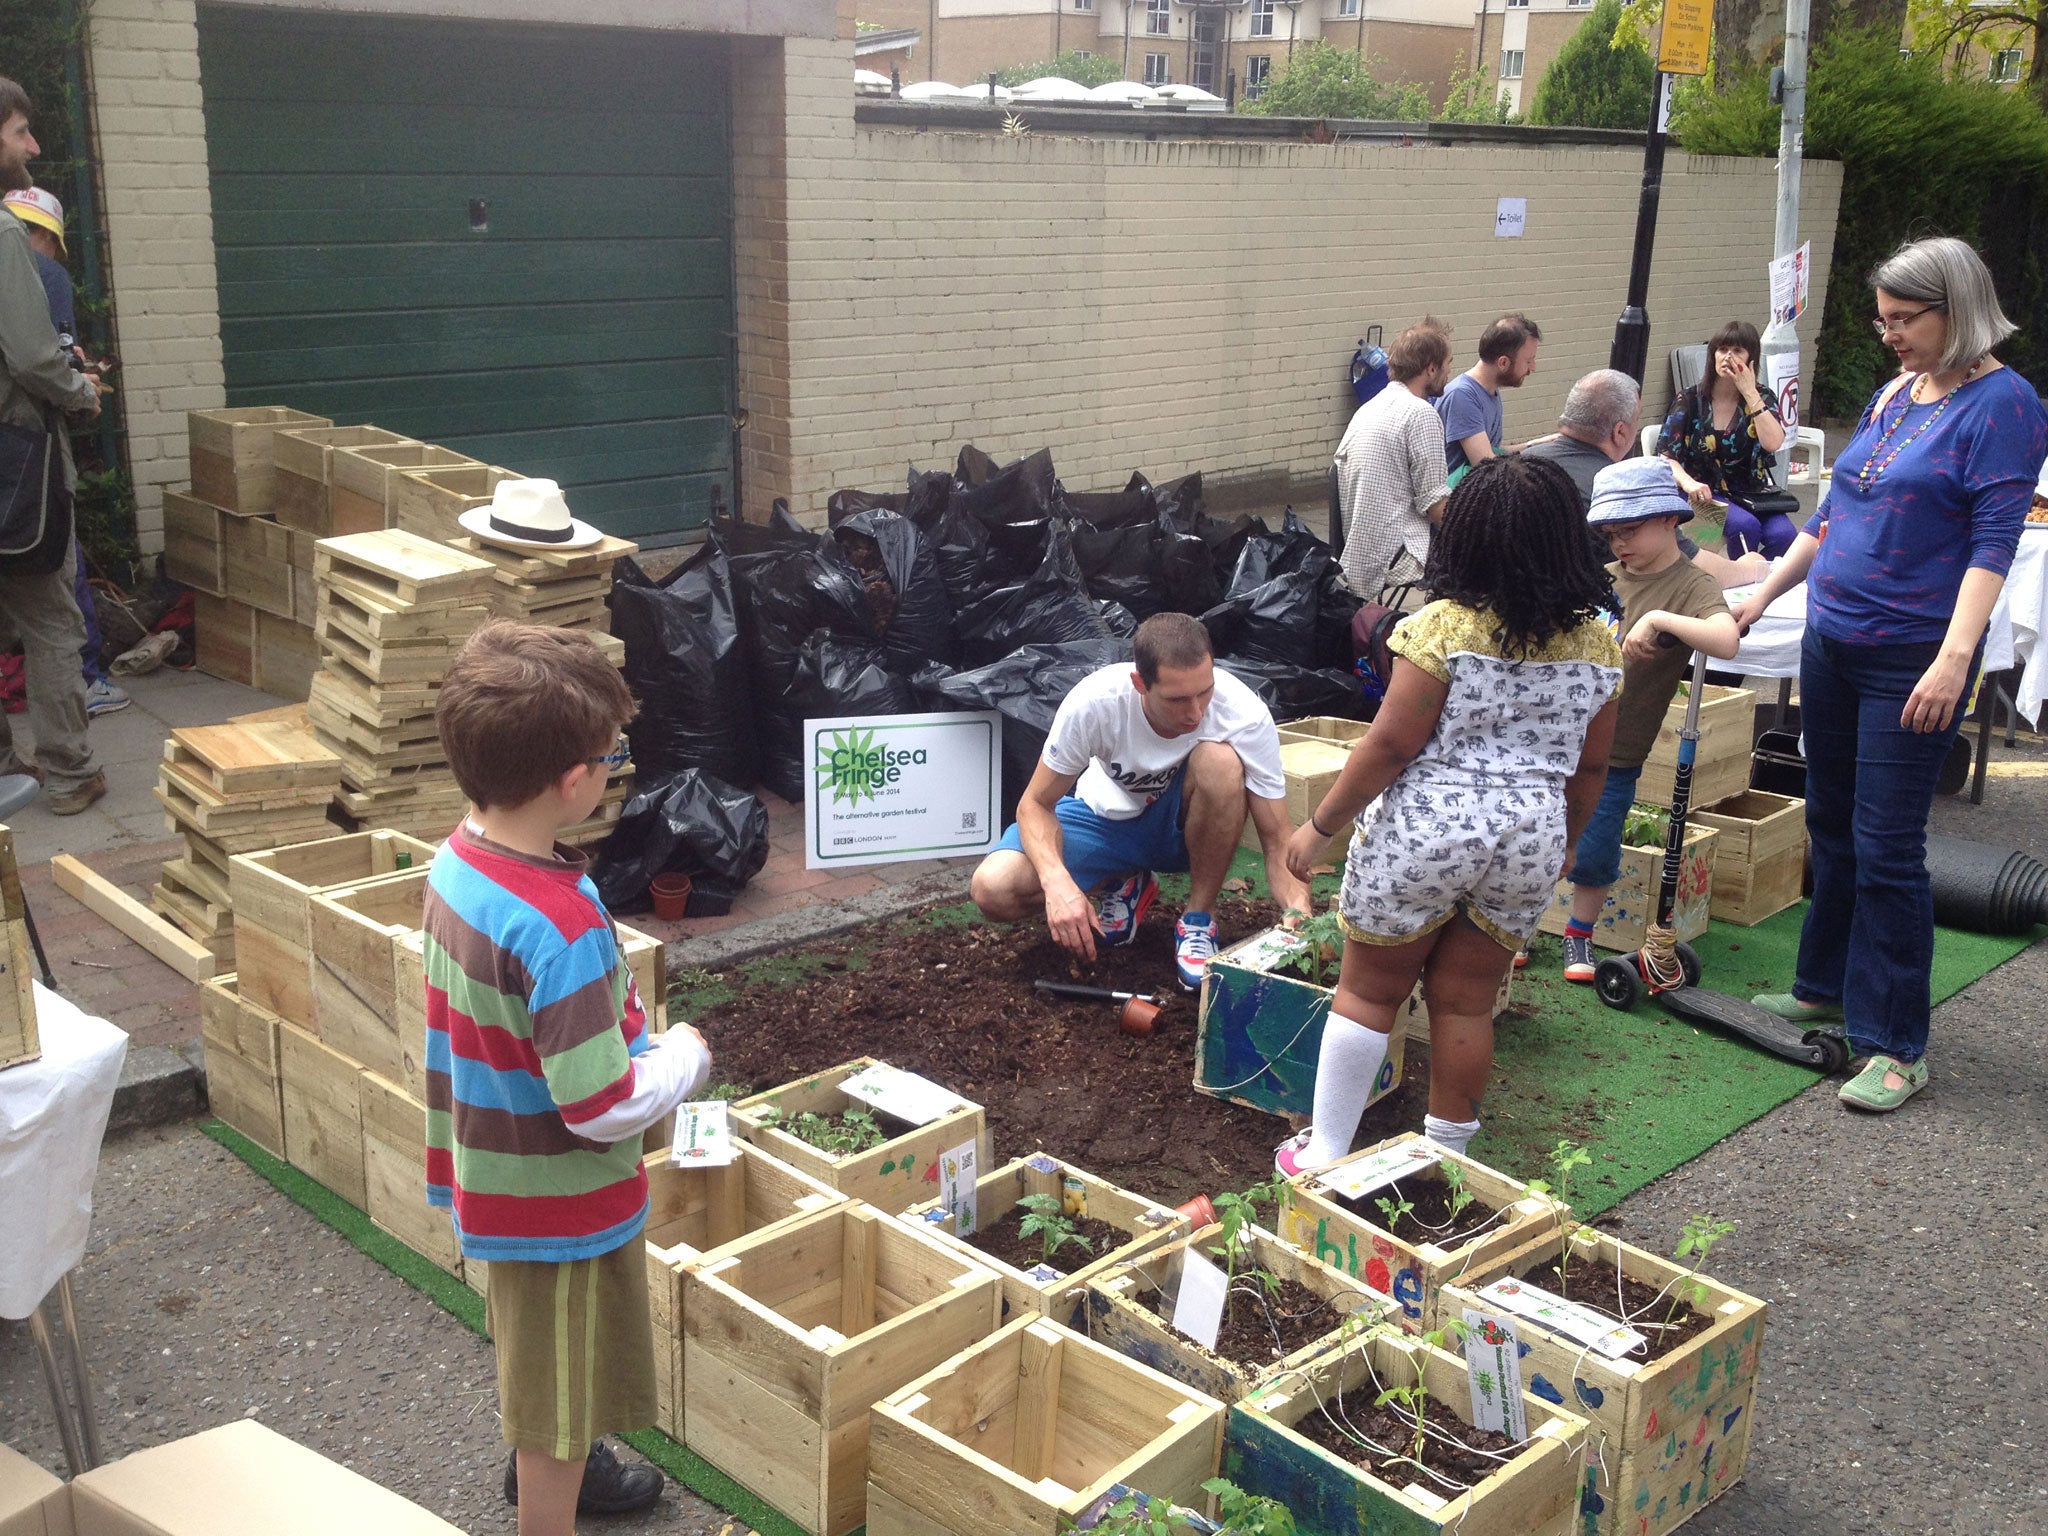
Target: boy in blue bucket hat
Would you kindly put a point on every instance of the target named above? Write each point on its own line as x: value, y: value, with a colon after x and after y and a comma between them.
x: 1638, y: 506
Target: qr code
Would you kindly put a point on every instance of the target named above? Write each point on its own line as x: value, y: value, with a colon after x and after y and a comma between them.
x: 970, y: 821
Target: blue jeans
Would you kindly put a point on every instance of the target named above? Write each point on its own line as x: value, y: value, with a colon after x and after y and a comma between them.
x: 1868, y: 943
x: 1597, y: 860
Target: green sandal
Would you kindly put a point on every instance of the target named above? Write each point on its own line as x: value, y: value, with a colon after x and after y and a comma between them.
x: 1795, y: 1010
x: 1867, y: 1090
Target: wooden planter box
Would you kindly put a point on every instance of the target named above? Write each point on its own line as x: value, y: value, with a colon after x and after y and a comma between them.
x: 354, y: 970
x: 243, y: 1084
x: 793, y: 1335
x: 1631, y: 903
x: 1720, y: 765
x: 256, y: 563
x: 1760, y: 861
x: 273, y: 894
x: 1676, y: 1429
x: 224, y: 638
x: 892, y: 1177
x: 1331, y: 728
x: 365, y: 480
x: 323, y: 1113
x: 287, y: 657
x: 193, y: 540
x: 305, y: 590
x: 1537, y: 1492
x: 1120, y: 1316
x: 1146, y: 1224
x: 233, y: 465
x: 1024, y: 1432
x: 20, y: 1039
x: 395, y: 1173
x: 694, y: 1216
x: 1413, y: 1274
x: 305, y: 474
x: 1311, y: 764
x: 429, y: 502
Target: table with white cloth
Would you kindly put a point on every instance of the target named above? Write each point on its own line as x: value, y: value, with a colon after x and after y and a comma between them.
x: 53, y: 1116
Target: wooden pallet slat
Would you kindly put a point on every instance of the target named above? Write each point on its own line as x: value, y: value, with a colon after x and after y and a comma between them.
x: 236, y: 759
x: 405, y: 567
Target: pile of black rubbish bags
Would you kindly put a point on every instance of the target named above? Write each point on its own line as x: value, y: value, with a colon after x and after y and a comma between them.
x: 990, y: 587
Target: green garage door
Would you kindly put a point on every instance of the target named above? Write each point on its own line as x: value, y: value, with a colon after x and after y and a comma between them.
x: 510, y: 240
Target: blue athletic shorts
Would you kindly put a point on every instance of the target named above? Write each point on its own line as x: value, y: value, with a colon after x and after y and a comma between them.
x: 1598, y: 859
x: 1099, y: 852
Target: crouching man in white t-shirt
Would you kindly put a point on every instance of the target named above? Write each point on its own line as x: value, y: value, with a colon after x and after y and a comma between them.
x: 1147, y: 767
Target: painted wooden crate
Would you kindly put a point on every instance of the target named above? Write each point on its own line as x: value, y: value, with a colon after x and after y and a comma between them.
x: 395, y: 1173
x: 323, y: 1112
x: 20, y: 1039
x: 1673, y: 1432
x: 1044, y: 1290
x: 1311, y: 764
x: 1026, y: 1431
x: 233, y: 453
x: 305, y: 474
x: 1315, y: 1219
x: 799, y: 1330
x: 1760, y: 861
x: 1121, y: 1315
x: 693, y: 1216
x: 1632, y: 900
x: 273, y: 892
x: 902, y: 1172
x: 1721, y: 763
x: 243, y: 1082
x: 1534, y: 1494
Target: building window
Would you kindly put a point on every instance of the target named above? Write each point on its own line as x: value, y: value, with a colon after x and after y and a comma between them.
x: 1578, y: 5
x: 1347, y: 7
x: 1511, y: 63
x: 1257, y: 68
x: 1155, y: 69
x: 1518, y: 5
x: 1084, y: 5
x: 1158, y: 17
x: 2005, y: 65
x: 1262, y: 20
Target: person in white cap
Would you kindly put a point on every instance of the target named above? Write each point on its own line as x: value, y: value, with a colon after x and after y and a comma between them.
x: 37, y: 606
x: 44, y: 216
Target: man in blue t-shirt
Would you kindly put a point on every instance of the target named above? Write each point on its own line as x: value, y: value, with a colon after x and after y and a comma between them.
x: 1470, y: 406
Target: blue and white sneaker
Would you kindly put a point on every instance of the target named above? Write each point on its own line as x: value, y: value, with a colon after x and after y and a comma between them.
x: 1124, y: 907
x: 1194, y: 945
x: 103, y: 698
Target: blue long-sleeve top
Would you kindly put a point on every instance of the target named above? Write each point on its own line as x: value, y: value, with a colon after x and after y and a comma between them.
x: 1893, y: 553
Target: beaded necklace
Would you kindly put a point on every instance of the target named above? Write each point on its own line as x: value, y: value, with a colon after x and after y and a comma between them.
x: 1873, y: 470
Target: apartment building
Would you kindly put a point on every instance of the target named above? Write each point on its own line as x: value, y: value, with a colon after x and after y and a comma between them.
x: 1517, y: 39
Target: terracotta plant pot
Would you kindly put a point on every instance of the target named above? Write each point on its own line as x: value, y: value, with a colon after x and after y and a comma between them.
x: 671, y: 895
x: 1137, y: 1016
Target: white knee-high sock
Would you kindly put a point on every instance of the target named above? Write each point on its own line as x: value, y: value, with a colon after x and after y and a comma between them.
x: 1451, y: 1135
x: 1350, y: 1059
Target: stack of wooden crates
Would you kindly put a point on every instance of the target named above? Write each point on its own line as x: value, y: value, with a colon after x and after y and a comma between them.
x: 316, y: 1046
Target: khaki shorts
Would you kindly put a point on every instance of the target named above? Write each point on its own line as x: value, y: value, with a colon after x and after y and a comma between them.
x: 575, y: 1350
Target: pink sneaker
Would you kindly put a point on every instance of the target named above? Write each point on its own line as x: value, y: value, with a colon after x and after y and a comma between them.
x: 1287, y: 1156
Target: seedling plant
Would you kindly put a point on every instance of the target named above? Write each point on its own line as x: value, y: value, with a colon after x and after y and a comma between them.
x: 1567, y: 1157
x: 1046, y: 1219
x: 1696, y: 1240
x: 855, y: 1130
x: 1319, y: 957
x: 1242, y: 1514
x: 1237, y: 1215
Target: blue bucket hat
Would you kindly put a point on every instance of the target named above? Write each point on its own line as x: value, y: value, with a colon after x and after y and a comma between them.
x: 1634, y: 490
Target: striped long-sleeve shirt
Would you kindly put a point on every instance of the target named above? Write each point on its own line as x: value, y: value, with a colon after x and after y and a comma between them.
x: 533, y: 1022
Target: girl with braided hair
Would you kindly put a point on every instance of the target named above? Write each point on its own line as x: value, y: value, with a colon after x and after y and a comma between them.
x: 1470, y: 790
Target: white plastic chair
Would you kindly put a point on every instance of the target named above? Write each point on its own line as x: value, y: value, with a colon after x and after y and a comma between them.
x: 1806, y: 456
x: 1650, y: 439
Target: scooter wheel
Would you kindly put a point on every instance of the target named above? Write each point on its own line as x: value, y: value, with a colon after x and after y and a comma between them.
x: 1618, y: 983
x: 1834, y: 1050
x: 1689, y: 964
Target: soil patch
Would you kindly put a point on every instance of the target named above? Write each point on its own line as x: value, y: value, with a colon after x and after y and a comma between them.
x: 1383, y: 1426
x: 954, y: 1001
x: 1297, y: 1314
x: 1428, y: 1219
x: 1592, y: 1285
x: 1002, y: 1240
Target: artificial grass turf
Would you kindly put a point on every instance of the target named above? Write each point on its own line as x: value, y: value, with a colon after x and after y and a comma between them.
x: 452, y: 1295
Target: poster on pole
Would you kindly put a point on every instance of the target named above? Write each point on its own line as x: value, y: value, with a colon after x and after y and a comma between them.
x: 1791, y: 282
x: 1688, y: 33
x: 886, y: 788
x: 1781, y: 373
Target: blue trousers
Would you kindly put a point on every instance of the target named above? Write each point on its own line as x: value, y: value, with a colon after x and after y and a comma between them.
x: 1868, y: 943
x: 1744, y: 532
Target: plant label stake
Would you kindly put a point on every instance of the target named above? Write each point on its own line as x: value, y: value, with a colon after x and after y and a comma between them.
x: 957, y: 1190
x: 1493, y: 1354
x: 904, y: 1095
x: 1198, y: 1310
x: 1362, y: 1175
x: 1612, y: 1339
x: 703, y: 1136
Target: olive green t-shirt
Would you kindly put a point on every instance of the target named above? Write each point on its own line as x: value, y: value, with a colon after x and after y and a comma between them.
x: 1647, y: 686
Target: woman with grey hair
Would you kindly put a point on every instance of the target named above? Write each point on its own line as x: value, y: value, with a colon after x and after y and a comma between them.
x: 1903, y: 563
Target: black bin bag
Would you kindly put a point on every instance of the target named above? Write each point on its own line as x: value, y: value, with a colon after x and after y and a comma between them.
x: 688, y: 822
x: 905, y: 591
x: 687, y: 667
x: 1048, y: 607
x: 837, y: 677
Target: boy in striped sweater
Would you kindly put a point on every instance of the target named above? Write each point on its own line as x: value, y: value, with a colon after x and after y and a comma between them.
x: 541, y: 1074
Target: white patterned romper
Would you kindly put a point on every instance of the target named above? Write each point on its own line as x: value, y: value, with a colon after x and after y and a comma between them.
x: 1476, y: 822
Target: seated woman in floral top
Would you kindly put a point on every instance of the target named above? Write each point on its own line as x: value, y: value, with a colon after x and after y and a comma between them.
x: 1722, y: 437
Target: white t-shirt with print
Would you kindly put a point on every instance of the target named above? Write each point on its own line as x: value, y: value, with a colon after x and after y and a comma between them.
x: 1101, y: 734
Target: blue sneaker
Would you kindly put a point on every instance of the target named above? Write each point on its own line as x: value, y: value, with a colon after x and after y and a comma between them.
x: 1125, y: 906
x: 1194, y: 944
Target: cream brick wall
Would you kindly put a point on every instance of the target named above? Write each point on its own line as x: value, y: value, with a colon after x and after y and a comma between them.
x: 1170, y: 306
x: 144, y: 58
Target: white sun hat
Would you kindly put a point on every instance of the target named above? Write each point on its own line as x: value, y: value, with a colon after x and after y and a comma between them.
x: 529, y: 514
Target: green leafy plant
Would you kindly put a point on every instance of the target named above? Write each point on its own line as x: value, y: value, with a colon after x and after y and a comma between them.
x: 1601, y: 77
x: 732, y: 1093
x: 1046, y: 1219
x: 1454, y: 1181
x: 1236, y: 1215
x: 1241, y: 1514
x: 1645, y: 826
x: 854, y: 1131
x: 1471, y: 99
x: 1393, y: 1207
x: 1319, y: 957
x: 1413, y: 1399
x: 1696, y: 1240
x: 1089, y: 69
x: 1322, y: 81
x: 1249, y: 1513
x: 1567, y: 1157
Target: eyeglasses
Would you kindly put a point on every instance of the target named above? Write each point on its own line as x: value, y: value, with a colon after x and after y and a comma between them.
x: 620, y: 754
x: 1884, y: 325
